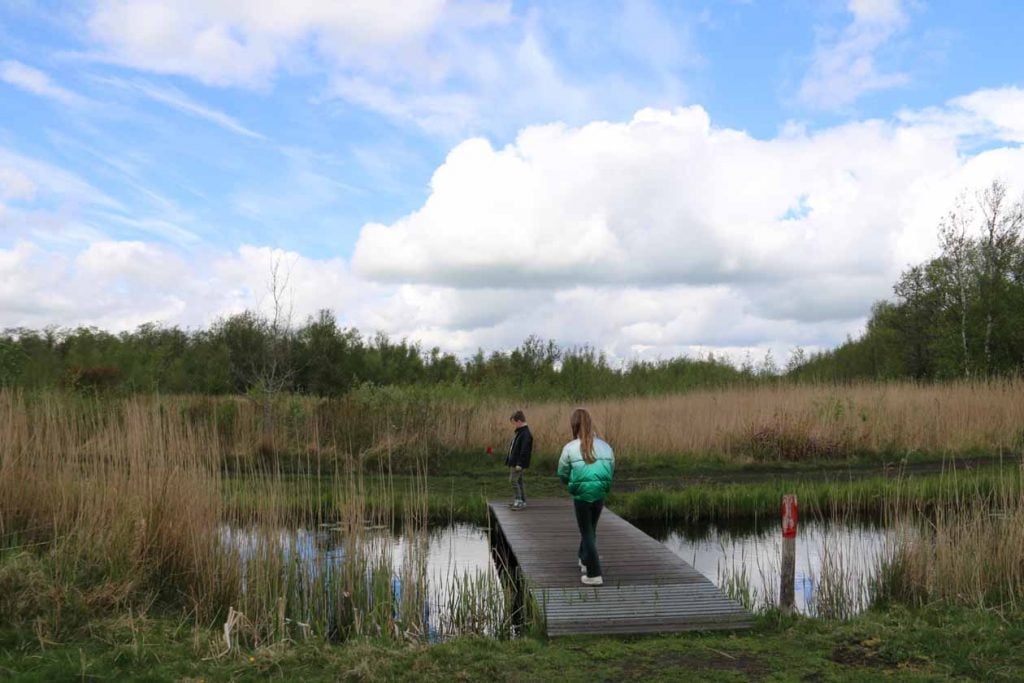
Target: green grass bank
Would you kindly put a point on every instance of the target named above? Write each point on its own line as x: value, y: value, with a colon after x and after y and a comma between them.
x: 898, y: 644
x: 669, y: 495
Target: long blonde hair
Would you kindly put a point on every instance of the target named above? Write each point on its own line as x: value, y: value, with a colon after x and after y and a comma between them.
x: 583, y: 429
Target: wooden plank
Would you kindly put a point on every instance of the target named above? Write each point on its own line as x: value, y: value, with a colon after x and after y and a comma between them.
x: 647, y: 588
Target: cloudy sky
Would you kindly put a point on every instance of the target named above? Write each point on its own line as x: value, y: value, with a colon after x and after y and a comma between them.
x: 650, y: 178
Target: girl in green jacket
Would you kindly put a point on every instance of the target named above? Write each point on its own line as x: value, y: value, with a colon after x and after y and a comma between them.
x: 586, y: 467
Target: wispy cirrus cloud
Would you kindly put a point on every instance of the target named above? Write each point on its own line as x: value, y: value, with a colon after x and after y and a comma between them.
x: 26, y: 179
x: 845, y: 64
x: 246, y: 43
x: 38, y: 82
x: 448, y: 68
x: 176, y: 99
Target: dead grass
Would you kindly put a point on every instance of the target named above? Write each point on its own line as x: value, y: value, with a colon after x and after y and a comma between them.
x: 120, y: 506
x: 967, y: 553
x: 108, y: 506
x: 781, y: 422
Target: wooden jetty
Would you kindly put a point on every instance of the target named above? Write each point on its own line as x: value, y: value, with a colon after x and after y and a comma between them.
x: 647, y: 588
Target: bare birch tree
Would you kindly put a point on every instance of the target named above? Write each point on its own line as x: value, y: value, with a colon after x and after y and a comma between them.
x: 957, y: 250
x: 275, y: 373
x: 1002, y: 222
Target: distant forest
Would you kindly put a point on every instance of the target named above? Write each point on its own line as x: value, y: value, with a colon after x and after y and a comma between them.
x: 959, y: 315
x: 247, y: 353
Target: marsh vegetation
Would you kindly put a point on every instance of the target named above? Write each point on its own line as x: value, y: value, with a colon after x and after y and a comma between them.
x: 324, y: 528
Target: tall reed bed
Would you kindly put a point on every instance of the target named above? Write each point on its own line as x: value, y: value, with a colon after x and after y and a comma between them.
x: 114, y: 504
x: 967, y: 552
x: 108, y: 506
x: 965, y: 548
x: 778, y: 422
x: 795, y: 421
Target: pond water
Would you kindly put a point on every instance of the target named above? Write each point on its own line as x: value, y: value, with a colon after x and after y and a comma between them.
x: 450, y: 550
x: 449, y: 568
x: 835, y: 562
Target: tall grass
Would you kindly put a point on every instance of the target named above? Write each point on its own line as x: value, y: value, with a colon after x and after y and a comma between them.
x: 119, y: 503
x: 791, y: 422
x: 965, y: 548
x: 110, y: 506
x: 967, y: 552
x: 783, y: 422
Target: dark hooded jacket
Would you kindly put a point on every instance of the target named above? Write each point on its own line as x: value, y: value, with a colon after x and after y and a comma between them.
x: 521, y: 448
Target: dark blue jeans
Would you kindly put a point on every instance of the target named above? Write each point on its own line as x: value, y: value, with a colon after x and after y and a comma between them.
x: 586, y: 518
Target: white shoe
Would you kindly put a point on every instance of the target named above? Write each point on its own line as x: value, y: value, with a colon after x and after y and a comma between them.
x: 583, y: 567
x: 592, y: 580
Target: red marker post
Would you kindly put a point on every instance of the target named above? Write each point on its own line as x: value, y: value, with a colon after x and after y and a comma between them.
x: 789, y: 521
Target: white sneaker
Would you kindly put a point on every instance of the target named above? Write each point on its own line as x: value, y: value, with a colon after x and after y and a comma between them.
x: 592, y: 580
x: 583, y: 567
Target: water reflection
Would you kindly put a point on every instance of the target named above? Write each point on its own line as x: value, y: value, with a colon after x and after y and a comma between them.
x: 450, y: 549
x: 835, y: 561
x: 452, y: 564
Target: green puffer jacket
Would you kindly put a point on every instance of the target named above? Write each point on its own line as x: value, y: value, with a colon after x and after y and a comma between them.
x: 589, y: 483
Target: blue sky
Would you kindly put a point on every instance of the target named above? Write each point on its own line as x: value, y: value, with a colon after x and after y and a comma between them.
x: 686, y: 176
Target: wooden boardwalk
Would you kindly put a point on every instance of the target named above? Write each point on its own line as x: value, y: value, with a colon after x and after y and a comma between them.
x: 647, y: 588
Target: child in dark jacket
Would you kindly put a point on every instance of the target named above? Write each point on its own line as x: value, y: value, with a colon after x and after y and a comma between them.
x: 518, y: 458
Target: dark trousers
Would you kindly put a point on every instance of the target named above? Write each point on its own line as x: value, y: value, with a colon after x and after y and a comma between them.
x: 586, y: 518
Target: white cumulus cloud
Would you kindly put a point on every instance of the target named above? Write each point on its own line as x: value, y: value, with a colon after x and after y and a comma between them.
x: 120, y: 284
x: 666, y: 232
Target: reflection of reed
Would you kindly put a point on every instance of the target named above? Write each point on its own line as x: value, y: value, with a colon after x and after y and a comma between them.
x: 837, y: 564
x: 966, y: 550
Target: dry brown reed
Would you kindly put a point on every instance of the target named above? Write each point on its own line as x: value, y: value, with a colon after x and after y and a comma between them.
x: 120, y: 494
x: 770, y: 422
x: 780, y: 421
x: 969, y: 552
x: 114, y: 505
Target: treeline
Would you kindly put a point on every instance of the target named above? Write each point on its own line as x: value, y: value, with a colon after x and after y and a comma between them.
x: 249, y: 353
x: 961, y: 314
